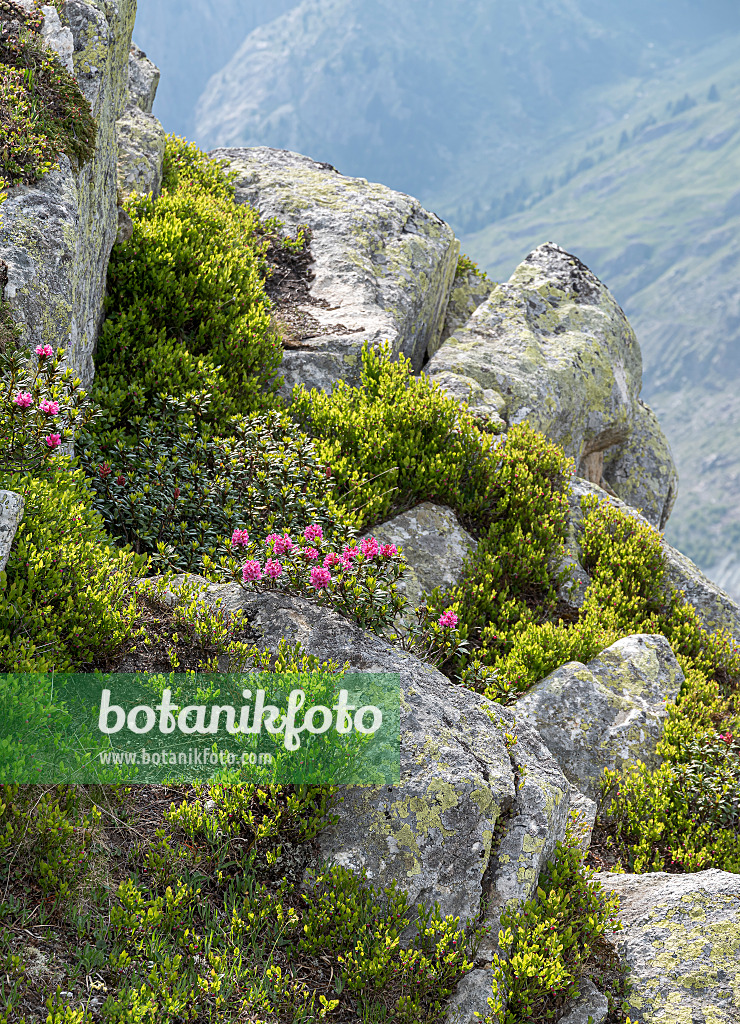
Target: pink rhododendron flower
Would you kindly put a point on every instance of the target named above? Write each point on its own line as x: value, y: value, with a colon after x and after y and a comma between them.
x: 448, y: 620
x: 313, y: 532
x: 273, y: 568
x: 23, y: 400
x: 350, y: 552
x: 388, y: 550
x: 50, y: 408
x: 281, y: 545
x: 251, y: 571
x: 369, y: 547
x: 54, y: 440
x: 240, y: 538
x: 331, y: 560
x: 311, y: 553
x: 320, y: 578
x: 346, y: 563
x: 44, y: 351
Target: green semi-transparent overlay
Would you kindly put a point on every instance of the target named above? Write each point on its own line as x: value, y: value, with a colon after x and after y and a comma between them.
x: 301, y: 727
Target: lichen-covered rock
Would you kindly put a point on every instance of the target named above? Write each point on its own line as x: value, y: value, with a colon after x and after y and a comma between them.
x: 681, y: 939
x: 11, y: 513
x: 56, y: 236
x: 461, y: 775
x: 141, y: 143
x: 434, y: 546
x: 559, y: 351
x: 641, y: 470
x: 484, y: 403
x: 470, y: 288
x: 607, y: 714
x: 58, y: 37
x: 591, y: 1007
x: 382, y: 265
x: 715, y: 608
x: 143, y: 79
x: 141, y: 138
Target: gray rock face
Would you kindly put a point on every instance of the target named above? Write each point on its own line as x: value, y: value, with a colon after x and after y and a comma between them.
x: 551, y: 346
x: 607, y: 714
x: 641, y: 470
x: 558, y: 349
x: 433, y: 833
x: 141, y: 143
x: 11, y: 513
x: 484, y: 403
x: 434, y: 546
x: 681, y: 939
x: 591, y: 1007
x: 143, y: 79
x: 58, y: 37
x: 382, y: 265
x: 56, y: 237
x: 141, y: 138
x: 715, y: 608
x: 470, y: 288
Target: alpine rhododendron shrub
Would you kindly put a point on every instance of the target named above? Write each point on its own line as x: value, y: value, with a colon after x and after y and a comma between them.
x: 41, y: 407
x: 357, y: 579
x: 177, y: 495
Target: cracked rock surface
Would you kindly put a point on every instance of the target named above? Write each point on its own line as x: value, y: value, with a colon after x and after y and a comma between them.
x: 382, y: 266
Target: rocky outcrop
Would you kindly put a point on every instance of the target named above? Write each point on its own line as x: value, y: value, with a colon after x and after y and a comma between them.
x: 470, y: 289
x: 11, y: 513
x: 715, y: 608
x: 141, y: 138
x: 469, y: 772
x: 641, y: 469
x: 607, y: 714
x: 681, y: 940
x: 56, y: 236
x: 382, y: 265
x: 555, y: 349
x: 434, y: 546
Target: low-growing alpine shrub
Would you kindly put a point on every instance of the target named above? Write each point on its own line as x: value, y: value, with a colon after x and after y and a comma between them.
x: 177, y: 494
x: 552, y: 941
x: 65, y: 594
x: 187, y: 303
x: 42, y: 111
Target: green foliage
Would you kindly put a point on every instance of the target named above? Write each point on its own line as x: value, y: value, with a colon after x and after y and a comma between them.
x: 65, y: 597
x: 177, y: 494
x: 42, y: 110
x: 396, y: 440
x: 45, y: 838
x: 39, y: 407
x: 346, y: 919
x: 466, y: 266
x: 187, y: 306
x: 551, y: 941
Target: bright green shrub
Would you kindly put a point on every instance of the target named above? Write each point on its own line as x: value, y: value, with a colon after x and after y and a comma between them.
x: 552, y: 941
x: 187, y: 303
x: 42, y: 111
x: 45, y: 837
x: 177, y: 495
x: 65, y: 599
x: 395, y: 441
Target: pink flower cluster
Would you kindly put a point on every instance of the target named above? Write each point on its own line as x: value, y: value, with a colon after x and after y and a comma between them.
x: 44, y: 351
x: 50, y: 408
x: 53, y: 440
x: 320, y: 577
x: 23, y: 399
x: 448, y: 620
x: 280, y: 545
x: 726, y: 737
